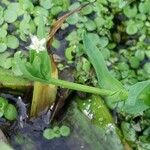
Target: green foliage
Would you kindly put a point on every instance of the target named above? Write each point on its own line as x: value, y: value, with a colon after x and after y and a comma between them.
x: 12, y: 42
x: 105, y: 79
x: 7, y: 110
x: 10, y: 112
x: 138, y: 99
x: 56, y: 132
x: 38, y: 68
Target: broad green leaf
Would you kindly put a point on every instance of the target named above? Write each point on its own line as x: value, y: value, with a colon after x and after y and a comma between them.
x: 138, y: 99
x: 105, y: 79
x: 12, y: 42
x: 30, y: 72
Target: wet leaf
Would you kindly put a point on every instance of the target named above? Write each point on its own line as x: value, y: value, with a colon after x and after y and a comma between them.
x: 138, y: 99
x: 12, y: 42
x: 10, y: 112
x: 10, y: 15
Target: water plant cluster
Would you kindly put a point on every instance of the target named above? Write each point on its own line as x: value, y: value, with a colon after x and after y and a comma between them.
x: 106, y: 46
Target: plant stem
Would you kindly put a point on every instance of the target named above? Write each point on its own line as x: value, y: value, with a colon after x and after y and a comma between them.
x: 80, y: 87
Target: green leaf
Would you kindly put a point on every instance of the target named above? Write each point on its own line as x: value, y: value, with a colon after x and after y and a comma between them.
x: 12, y: 42
x: 90, y: 25
x: 138, y: 99
x: 10, y: 15
x: 130, y: 12
x: 73, y: 19
x: 10, y: 112
x: 105, y: 79
x: 3, y: 47
x: 49, y: 134
x: 3, y: 33
x: 144, y: 6
x: 16, y: 7
x: 30, y: 71
x: 131, y: 28
x: 64, y: 130
x: 47, y: 4
x: 3, y: 105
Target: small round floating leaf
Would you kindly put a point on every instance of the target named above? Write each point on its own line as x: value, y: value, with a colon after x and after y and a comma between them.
x: 10, y: 16
x: 73, y: 19
x: 3, y: 33
x: 10, y: 112
x: 147, y: 68
x: 140, y: 55
x: 48, y: 134
x: 134, y: 62
x: 64, y: 131
x: 12, y: 42
x: 47, y: 4
x: 90, y: 25
x: 130, y: 12
x: 87, y: 10
x: 1, y: 21
x: 3, y: 105
x: 3, y: 47
x: 131, y: 28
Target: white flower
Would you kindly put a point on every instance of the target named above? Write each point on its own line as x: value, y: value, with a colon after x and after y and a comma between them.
x: 38, y: 45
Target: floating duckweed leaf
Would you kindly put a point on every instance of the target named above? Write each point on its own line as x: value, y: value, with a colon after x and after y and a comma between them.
x: 7, y: 64
x: 64, y: 130
x: 15, y: 7
x: 3, y: 105
x: 130, y: 12
x: 131, y: 28
x: 3, y: 47
x: 3, y: 33
x: 49, y: 134
x: 90, y: 25
x: 73, y: 19
x: 12, y: 42
x: 47, y: 4
x: 140, y: 55
x: 147, y: 68
x: 40, y: 11
x: 134, y: 62
x: 144, y: 6
x: 87, y: 10
x: 56, y: 10
x: 1, y: 20
x: 10, y: 112
x: 10, y: 16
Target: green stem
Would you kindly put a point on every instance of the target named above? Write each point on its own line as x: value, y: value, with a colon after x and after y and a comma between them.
x: 80, y: 87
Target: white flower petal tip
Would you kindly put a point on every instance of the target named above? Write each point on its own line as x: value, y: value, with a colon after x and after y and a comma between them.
x: 37, y: 44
